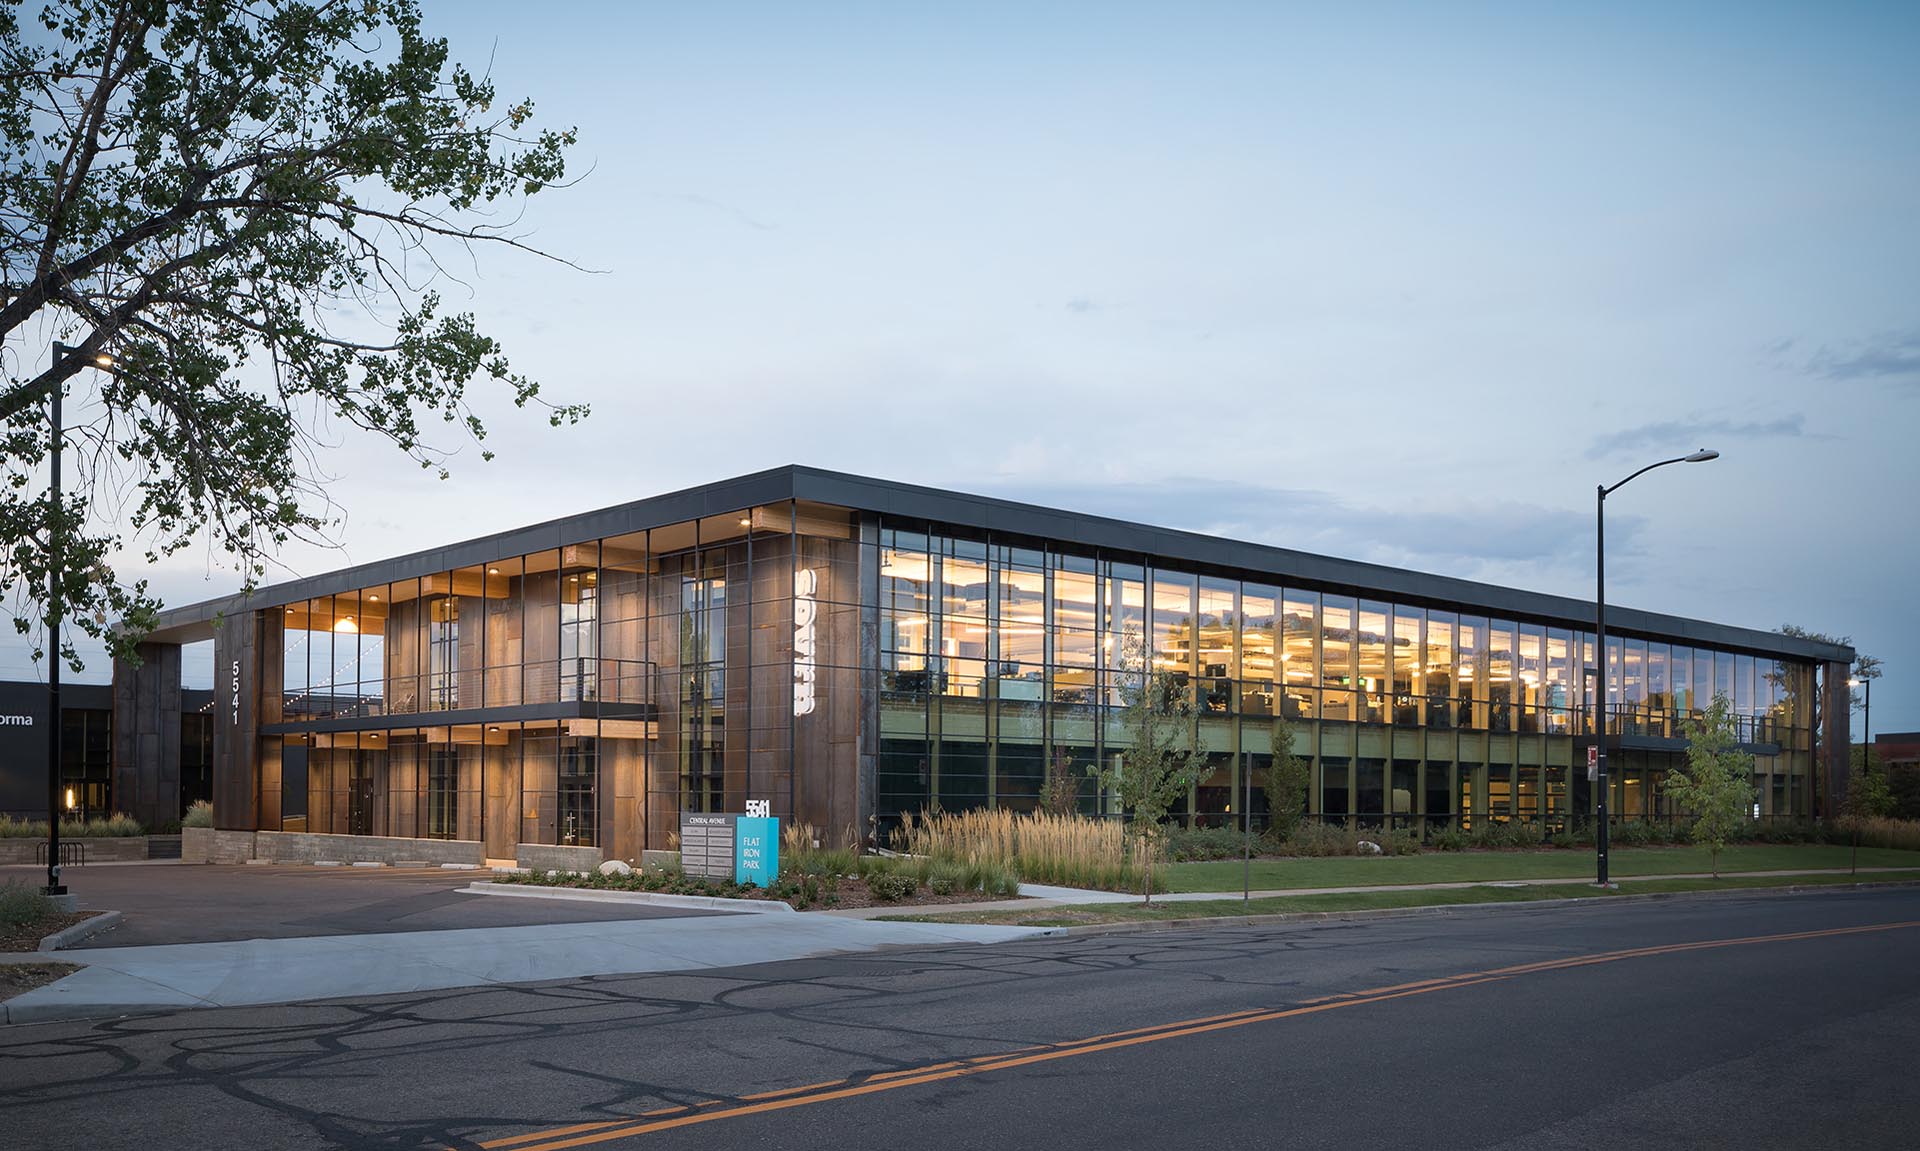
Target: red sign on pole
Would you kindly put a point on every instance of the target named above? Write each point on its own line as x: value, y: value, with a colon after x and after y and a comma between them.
x: 1593, y: 762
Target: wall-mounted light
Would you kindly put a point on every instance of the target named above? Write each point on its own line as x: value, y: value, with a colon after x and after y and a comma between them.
x: 69, y: 799
x: 746, y: 521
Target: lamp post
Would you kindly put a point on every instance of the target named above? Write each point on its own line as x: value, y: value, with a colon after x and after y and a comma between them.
x: 54, y: 562
x: 1600, y: 643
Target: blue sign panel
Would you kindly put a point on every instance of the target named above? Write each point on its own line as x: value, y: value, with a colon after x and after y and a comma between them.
x: 756, y: 850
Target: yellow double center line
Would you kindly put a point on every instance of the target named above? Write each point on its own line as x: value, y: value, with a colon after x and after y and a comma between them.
x: 667, y: 1118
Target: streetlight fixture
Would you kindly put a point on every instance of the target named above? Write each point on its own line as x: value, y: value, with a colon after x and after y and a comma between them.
x: 1600, y: 642
x: 1866, y: 723
x: 105, y: 362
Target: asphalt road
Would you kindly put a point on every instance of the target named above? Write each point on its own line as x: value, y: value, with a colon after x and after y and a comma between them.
x: 1741, y: 1023
x: 200, y: 903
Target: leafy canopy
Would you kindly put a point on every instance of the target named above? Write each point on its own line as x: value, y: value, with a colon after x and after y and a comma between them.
x: 1162, y: 760
x: 1716, y: 785
x: 247, y: 206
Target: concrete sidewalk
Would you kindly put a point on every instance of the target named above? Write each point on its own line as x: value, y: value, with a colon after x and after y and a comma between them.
x: 124, y: 980
x: 1038, y: 896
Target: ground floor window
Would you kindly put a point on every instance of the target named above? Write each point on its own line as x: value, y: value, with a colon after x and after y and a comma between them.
x: 443, y: 784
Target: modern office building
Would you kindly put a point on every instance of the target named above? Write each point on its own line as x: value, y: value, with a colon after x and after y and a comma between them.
x: 851, y: 649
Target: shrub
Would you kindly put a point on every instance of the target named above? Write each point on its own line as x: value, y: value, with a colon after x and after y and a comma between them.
x: 1450, y: 839
x: 1318, y: 839
x: 1563, y: 840
x: 1186, y: 844
x: 892, y: 887
x: 199, y: 815
x: 22, y: 906
x: 115, y: 826
x: 1880, y: 831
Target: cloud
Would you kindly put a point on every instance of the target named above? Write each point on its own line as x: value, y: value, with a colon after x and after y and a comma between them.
x: 1491, y: 540
x: 1080, y: 305
x: 1889, y: 357
x: 1694, y: 432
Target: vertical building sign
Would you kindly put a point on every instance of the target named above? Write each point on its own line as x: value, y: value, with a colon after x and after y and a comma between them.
x: 805, y: 582
x: 234, y: 683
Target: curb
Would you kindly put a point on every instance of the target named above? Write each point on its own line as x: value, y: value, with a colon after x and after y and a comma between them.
x: 85, y: 929
x: 1367, y: 913
x: 656, y: 898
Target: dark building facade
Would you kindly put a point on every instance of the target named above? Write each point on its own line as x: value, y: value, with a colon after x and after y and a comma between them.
x: 851, y: 650
x: 97, y: 777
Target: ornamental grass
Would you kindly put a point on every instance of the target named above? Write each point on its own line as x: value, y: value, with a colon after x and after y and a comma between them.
x: 1039, y: 847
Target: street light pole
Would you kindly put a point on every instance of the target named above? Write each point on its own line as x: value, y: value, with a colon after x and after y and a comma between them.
x: 55, y: 605
x: 1602, y: 840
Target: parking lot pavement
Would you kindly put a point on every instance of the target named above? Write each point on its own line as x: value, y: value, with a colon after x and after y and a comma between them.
x: 205, y: 903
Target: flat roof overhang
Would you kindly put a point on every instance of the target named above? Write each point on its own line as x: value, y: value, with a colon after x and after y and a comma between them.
x: 1039, y: 526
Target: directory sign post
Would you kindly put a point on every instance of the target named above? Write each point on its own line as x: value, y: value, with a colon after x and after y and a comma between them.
x: 724, y: 846
x: 706, y: 846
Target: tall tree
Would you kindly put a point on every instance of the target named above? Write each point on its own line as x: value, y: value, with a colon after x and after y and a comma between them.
x: 1162, y: 760
x: 1286, y: 778
x: 1716, y: 785
x: 246, y: 207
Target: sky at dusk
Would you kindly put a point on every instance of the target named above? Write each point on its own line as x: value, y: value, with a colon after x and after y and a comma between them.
x: 1393, y: 282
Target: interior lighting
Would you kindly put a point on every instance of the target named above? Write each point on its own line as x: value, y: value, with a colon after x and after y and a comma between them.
x: 345, y: 624
x: 69, y: 799
x: 746, y: 521
x: 373, y: 599
x: 493, y: 571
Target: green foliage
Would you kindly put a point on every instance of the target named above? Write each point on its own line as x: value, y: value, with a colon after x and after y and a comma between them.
x: 245, y: 206
x: 1868, y: 796
x: 1060, y: 791
x: 114, y: 826
x: 1450, y: 839
x: 892, y: 887
x: 1313, y: 838
x: 198, y: 815
x: 1902, y: 834
x: 1509, y: 834
x: 1716, y: 785
x: 1162, y: 759
x: 1187, y: 844
x: 23, y: 906
x: 1286, y: 778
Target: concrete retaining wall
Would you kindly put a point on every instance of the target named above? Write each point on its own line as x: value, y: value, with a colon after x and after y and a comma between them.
x: 211, y: 845
x: 306, y: 847
x: 547, y: 857
x: 118, y: 849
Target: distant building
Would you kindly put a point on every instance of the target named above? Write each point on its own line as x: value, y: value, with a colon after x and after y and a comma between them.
x: 1897, y: 748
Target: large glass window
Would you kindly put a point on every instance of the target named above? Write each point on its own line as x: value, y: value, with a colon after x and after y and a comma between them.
x: 1530, y: 674
x: 1300, y: 626
x: 1076, y: 635
x: 1500, y: 638
x: 1173, y: 623
x: 1470, y: 670
x: 1407, y: 663
x: 443, y: 650
x: 1259, y: 613
x: 1336, y: 657
x: 963, y: 620
x: 1374, y: 673
x: 1217, y: 641
x: 1439, y: 670
x: 1021, y: 609
x: 580, y: 623
x: 1561, y: 688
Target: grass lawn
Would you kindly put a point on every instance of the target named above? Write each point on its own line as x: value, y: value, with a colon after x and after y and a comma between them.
x: 1364, y: 900
x: 1489, y: 866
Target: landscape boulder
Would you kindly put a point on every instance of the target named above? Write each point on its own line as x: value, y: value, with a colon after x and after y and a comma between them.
x: 616, y: 867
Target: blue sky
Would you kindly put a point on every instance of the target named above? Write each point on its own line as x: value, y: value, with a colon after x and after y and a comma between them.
x: 1397, y: 282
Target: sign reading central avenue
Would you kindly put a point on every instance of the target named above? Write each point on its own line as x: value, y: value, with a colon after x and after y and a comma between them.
x: 731, y: 848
